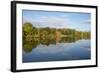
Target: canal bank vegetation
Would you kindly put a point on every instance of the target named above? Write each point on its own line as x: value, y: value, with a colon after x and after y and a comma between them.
x: 32, y: 36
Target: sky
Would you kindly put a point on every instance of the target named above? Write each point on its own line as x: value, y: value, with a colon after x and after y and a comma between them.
x: 54, y: 19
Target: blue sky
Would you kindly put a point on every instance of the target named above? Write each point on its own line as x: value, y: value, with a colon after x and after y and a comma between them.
x: 73, y: 20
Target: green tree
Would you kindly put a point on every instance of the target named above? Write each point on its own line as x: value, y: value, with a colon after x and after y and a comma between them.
x: 27, y: 31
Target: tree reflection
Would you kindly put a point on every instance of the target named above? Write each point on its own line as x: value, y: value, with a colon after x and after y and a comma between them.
x: 29, y: 45
x: 33, y: 36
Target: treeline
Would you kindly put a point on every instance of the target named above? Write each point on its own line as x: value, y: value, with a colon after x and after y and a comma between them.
x: 33, y: 36
x: 30, y: 32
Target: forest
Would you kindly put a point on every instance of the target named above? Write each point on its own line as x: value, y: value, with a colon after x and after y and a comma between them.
x: 32, y: 36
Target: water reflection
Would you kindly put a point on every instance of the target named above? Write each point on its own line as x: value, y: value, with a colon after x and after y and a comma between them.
x: 28, y: 46
x: 60, y: 51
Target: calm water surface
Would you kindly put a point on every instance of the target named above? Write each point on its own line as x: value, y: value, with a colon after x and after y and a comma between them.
x: 78, y: 50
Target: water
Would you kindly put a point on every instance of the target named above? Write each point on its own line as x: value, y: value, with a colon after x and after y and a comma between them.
x: 59, y: 51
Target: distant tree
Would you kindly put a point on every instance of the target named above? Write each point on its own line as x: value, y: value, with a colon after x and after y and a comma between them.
x: 27, y: 27
x: 27, y: 31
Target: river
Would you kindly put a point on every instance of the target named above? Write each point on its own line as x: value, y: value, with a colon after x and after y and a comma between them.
x: 75, y: 50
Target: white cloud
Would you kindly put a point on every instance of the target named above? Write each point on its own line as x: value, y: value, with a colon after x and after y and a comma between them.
x: 88, y: 21
x: 48, y: 21
x: 57, y: 22
x: 26, y: 19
